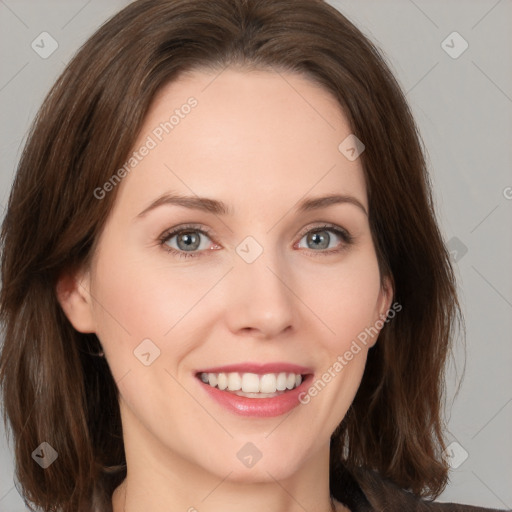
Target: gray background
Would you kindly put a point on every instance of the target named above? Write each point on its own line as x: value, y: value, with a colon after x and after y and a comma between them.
x: 463, y: 107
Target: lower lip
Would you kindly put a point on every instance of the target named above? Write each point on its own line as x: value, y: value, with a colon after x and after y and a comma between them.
x: 259, y: 407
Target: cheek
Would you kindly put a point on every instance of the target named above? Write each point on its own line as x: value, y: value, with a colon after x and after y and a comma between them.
x: 137, y: 298
x: 347, y: 299
x: 347, y: 302
x: 143, y: 288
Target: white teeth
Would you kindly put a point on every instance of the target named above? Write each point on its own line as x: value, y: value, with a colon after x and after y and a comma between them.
x: 281, y: 382
x: 212, y: 379
x: 251, y: 382
x: 268, y: 383
x: 234, y: 382
x: 222, y: 381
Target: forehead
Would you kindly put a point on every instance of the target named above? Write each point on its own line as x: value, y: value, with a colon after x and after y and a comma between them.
x: 232, y: 133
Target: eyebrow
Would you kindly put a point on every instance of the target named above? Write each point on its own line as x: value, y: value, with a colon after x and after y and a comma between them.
x: 219, y: 208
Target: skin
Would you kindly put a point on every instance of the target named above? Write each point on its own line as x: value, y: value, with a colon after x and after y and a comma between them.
x: 260, y: 142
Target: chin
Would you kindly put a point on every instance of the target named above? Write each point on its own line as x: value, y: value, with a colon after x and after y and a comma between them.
x: 245, y: 463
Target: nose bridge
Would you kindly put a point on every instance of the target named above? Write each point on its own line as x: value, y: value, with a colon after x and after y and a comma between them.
x: 259, y: 295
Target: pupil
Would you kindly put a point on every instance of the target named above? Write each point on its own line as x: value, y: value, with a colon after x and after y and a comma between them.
x: 322, y: 239
x: 189, y: 240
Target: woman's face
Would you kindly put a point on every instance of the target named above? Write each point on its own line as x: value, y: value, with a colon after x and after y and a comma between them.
x: 262, y: 285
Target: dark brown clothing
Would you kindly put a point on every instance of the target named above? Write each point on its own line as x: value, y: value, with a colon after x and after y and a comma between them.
x: 367, y: 491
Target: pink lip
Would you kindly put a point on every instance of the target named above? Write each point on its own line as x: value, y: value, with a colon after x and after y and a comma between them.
x: 259, y: 368
x: 258, y: 407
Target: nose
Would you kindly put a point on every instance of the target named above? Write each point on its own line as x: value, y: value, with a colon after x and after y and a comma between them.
x: 259, y: 298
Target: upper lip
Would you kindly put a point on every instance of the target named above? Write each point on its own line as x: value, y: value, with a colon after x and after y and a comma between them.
x: 258, y: 368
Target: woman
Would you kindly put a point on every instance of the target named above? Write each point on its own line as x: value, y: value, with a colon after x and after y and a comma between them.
x: 223, y: 282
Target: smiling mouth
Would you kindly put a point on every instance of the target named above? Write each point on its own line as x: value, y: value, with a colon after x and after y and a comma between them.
x: 253, y: 385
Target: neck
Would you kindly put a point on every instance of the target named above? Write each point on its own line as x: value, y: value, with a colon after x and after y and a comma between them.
x: 159, y: 479
x: 206, y: 492
x: 124, y: 500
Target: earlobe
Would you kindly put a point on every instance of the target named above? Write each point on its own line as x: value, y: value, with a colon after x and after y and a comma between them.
x: 72, y: 291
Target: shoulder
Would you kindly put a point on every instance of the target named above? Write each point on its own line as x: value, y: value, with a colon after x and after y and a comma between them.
x: 384, y: 495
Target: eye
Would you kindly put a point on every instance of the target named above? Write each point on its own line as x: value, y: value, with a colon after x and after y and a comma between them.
x: 190, y: 241
x: 185, y: 241
x: 320, y: 239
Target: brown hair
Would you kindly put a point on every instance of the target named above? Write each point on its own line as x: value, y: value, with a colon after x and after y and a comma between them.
x: 54, y: 390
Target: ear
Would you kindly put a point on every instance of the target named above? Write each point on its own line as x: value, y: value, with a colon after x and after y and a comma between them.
x: 386, y: 296
x: 72, y: 290
x: 383, y: 305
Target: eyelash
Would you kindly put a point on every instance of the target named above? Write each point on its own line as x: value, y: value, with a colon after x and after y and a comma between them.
x: 347, y: 238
